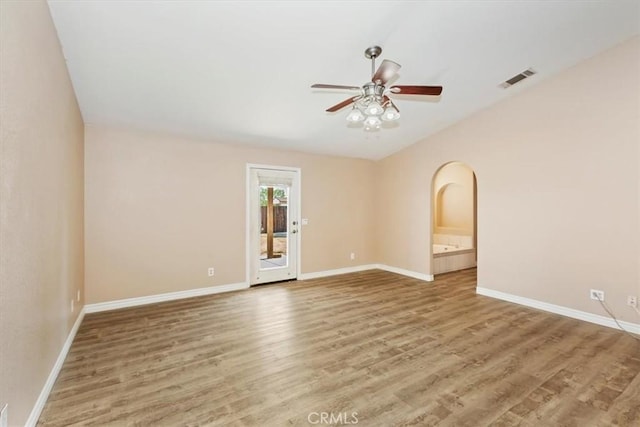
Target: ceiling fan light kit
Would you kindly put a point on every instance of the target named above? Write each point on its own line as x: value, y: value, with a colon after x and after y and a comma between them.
x: 355, y: 115
x: 373, y: 105
x: 390, y: 114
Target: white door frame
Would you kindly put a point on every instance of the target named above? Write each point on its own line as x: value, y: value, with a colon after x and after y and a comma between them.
x: 298, y: 235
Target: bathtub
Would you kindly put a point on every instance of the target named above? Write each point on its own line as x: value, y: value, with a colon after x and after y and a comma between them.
x: 440, y: 249
x: 448, y: 258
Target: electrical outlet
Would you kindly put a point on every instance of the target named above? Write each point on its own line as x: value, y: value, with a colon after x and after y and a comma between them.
x: 211, y: 271
x: 353, y: 255
x: 4, y: 416
x: 632, y: 301
x: 597, y: 294
x: 78, y: 295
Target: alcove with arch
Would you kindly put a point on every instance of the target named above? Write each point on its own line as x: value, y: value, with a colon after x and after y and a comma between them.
x: 454, y: 208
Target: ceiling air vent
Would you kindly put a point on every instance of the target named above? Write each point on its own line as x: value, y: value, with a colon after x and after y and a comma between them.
x: 517, y: 78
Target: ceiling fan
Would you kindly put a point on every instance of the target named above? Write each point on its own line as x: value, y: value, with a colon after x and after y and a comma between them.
x: 372, y: 104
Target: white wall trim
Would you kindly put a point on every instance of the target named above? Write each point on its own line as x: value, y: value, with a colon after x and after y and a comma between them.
x: 274, y: 167
x: 345, y: 270
x: 247, y: 224
x: 357, y: 268
x: 408, y: 273
x: 53, y: 375
x: 170, y: 296
x: 558, y: 309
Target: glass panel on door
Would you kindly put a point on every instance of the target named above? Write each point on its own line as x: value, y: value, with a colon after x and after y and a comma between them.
x: 274, y: 233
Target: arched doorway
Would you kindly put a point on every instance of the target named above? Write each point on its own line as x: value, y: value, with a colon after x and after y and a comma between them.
x: 454, y: 218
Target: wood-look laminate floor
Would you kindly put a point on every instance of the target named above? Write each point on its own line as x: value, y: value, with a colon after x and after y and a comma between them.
x: 373, y: 346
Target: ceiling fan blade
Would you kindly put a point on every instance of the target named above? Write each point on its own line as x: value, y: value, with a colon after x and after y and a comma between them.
x: 416, y: 90
x: 342, y: 104
x: 386, y: 70
x: 323, y: 86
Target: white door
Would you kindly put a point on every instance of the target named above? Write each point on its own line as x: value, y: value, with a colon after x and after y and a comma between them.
x: 273, y: 224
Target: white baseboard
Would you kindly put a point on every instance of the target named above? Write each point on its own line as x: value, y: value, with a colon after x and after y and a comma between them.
x: 53, y: 375
x: 409, y: 273
x: 327, y: 273
x: 558, y: 309
x: 170, y: 296
x: 355, y: 269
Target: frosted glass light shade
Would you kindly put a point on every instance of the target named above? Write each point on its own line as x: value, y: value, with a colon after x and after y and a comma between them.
x: 373, y: 109
x: 372, y: 121
x: 355, y: 116
x: 390, y: 114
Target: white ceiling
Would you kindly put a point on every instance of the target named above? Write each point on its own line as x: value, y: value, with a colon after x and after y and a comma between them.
x: 240, y: 71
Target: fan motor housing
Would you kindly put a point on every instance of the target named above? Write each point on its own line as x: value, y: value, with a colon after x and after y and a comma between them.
x: 372, y: 89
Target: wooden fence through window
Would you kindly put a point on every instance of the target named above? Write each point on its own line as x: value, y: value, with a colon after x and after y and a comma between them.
x: 279, y: 219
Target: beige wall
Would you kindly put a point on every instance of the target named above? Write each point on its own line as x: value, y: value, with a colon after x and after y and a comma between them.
x: 161, y: 209
x: 557, y: 175
x: 41, y: 219
x: 558, y: 210
x: 453, y: 199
